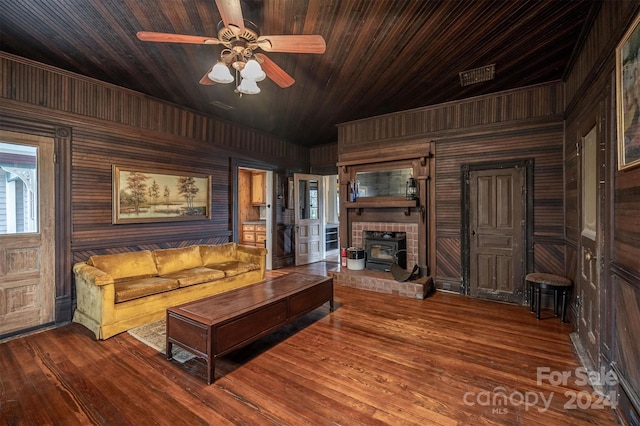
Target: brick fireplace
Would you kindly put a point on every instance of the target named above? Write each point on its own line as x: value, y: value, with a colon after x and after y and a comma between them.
x: 380, y: 205
x: 383, y: 282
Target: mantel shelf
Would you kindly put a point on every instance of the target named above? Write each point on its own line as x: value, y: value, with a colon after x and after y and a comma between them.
x: 380, y: 204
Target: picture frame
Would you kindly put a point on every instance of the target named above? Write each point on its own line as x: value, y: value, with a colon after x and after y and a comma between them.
x: 628, y: 97
x: 147, y: 195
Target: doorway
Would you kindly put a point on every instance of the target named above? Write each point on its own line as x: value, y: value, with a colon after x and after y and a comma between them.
x: 589, y: 254
x: 332, y: 218
x: 496, y: 230
x: 309, y: 218
x: 255, y: 215
x: 27, y: 232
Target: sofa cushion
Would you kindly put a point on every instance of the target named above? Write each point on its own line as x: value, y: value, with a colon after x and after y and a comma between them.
x: 218, y: 253
x: 234, y: 267
x: 177, y: 259
x: 123, y: 266
x: 195, y: 276
x: 136, y: 288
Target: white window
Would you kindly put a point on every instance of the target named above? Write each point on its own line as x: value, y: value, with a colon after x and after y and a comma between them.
x: 18, y: 188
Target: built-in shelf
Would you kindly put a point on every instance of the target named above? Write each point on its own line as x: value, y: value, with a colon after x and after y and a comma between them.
x: 331, y: 238
x: 380, y: 203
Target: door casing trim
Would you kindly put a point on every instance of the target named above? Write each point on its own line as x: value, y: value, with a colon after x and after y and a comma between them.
x: 465, y: 170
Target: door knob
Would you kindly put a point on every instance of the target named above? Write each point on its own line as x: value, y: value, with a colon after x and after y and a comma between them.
x: 588, y: 256
x: 473, y: 232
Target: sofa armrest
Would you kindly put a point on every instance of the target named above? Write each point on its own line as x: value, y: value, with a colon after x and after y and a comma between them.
x: 95, y: 297
x: 91, y: 275
x: 250, y: 253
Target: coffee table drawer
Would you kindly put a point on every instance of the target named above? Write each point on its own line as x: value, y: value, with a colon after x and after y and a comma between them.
x: 191, y: 334
x: 310, y: 299
x: 249, y: 326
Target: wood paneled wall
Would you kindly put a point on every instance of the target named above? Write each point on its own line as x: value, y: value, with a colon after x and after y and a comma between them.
x: 591, y: 101
x: 33, y: 83
x: 323, y: 159
x: 516, y: 124
x: 481, y: 113
x: 108, y: 126
x: 598, y: 45
x: 543, y: 146
x: 93, y: 156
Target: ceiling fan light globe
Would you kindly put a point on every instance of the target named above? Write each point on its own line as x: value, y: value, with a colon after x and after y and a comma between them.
x: 253, y: 71
x: 220, y: 74
x: 261, y: 77
x: 255, y: 78
x: 248, y: 87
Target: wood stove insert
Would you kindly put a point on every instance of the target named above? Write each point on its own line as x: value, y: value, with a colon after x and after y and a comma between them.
x: 383, y: 249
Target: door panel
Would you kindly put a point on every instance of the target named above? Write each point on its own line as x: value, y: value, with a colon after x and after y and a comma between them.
x: 309, y: 218
x: 27, y: 239
x: 496, y: 214
x: 588, y: 285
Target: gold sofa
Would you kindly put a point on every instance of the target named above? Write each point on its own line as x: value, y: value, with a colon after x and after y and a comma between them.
x: 117, y: 292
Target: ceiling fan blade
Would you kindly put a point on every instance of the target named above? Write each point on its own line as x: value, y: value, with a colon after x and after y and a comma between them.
x: 274, y: 72
x: 231, y: 14
x: 205, y: 80
x: 176, y: 38
x: 293, y: 43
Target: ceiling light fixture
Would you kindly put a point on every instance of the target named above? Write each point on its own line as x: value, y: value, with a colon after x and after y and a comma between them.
x: 247, y: 70
x: 239, y: 57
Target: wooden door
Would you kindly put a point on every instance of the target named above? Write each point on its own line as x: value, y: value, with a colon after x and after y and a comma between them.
x: 27, y: 232
x: 309, y: 218
x: 496, y: 234
x: 588, y: 285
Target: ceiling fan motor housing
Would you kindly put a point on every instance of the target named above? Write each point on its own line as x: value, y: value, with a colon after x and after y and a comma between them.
x: 240, y: 46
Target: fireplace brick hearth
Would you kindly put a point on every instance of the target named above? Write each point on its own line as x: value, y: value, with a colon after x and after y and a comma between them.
x: 383, y: 282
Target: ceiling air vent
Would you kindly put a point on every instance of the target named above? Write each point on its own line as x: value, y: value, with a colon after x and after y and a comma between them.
x: 477, y: 75
x: 221, y: 105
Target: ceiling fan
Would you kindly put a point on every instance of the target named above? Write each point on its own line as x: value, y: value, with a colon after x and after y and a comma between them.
x: 240, y: 38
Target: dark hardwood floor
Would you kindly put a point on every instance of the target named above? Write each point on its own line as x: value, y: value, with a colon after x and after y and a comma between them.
x: 378, y: 359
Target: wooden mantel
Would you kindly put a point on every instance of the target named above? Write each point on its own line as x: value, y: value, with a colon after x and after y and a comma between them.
x: 385, y: 159
x: 383, y: 202
x: 414, y: 154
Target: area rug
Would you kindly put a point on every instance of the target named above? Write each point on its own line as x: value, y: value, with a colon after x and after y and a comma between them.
x: 154, y: 335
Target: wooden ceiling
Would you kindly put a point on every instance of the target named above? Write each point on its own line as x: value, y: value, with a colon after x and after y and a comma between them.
x: 382, y: 55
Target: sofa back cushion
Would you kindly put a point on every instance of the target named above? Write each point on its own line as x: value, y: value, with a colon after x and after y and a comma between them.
x: 122, y: 266
x: 173, y: 260
x: 219, y: 253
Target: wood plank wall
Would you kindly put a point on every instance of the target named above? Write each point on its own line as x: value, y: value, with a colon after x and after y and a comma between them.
x: 93, y: 156
x: 323, y: 159
x: 542, y: 145
x: 33, y: 83
x: 110, y: 126
x: 591, y: 91
x: 516, y: 124
x: 472, y: 114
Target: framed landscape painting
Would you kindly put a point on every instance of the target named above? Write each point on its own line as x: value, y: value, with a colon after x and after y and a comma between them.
x: 628, y: 97
x: 149, y: 196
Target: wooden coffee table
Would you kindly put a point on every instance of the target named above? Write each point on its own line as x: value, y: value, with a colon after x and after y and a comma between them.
x: 214, y: 326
